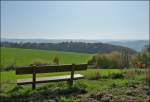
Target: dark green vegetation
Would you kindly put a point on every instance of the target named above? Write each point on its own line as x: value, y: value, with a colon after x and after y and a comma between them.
x: 107, y: 85
x: 71, y: 46
x: 21, y: 57
x: 128, y: 43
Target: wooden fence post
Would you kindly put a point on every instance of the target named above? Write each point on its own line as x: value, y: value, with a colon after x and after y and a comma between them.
x: 72, y: 75
x: 34, y: 79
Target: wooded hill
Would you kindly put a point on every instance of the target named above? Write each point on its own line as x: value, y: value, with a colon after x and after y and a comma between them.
x: 71, y: 46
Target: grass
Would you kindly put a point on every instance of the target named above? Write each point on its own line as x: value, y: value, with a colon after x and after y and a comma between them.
x: 81, y: 90
x: 21, y: 57
x: 97, y: 82
x: 8, y: 79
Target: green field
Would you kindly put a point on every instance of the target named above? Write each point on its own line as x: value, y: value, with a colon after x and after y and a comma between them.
x: 99, y: 85
x: 21, y: 57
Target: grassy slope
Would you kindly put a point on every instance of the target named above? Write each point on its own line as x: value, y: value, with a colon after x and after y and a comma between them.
x: 26, y: 56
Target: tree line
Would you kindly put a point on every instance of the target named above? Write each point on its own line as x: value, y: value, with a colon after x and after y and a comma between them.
x: 71, y: 46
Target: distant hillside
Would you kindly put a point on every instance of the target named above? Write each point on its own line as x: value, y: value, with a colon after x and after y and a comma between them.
x: 137, y: 45
x: 71, y: 46
x: 22, y: 57
x: 54, y: 40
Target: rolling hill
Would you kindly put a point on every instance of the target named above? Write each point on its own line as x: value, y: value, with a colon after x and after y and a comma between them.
x: 137, y: 45
x: 81, y: 47
x: 126, y: 43
x: 20, y: 57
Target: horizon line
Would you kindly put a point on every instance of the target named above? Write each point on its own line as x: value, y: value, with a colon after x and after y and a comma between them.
x: 71, y: 39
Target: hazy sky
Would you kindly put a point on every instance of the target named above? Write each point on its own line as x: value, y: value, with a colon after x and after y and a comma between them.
x: 75, y: 19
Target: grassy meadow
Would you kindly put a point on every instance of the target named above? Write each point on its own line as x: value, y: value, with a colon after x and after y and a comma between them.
x: 99, y: 85
x: 21, y: 57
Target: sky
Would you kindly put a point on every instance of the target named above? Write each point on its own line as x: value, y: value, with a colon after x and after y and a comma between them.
x: 75, y: 19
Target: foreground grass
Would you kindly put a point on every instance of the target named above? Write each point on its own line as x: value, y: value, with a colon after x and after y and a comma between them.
x: 96, y: 80
x: 21, y: 57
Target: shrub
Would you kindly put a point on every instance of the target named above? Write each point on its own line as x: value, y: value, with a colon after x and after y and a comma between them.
x: 111, y: 60
x: 116, y: 75
x: 63, y: 99
x: 56, y: 60
x: 95, y: 76
x: 141, y: 59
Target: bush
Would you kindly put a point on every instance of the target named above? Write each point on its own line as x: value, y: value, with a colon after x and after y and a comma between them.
x: 63, y: 99
x: 111, y: 60
x: 116, y: 75
x: 56, y: 60
x: 141, y: 59
x: 95, y: 76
